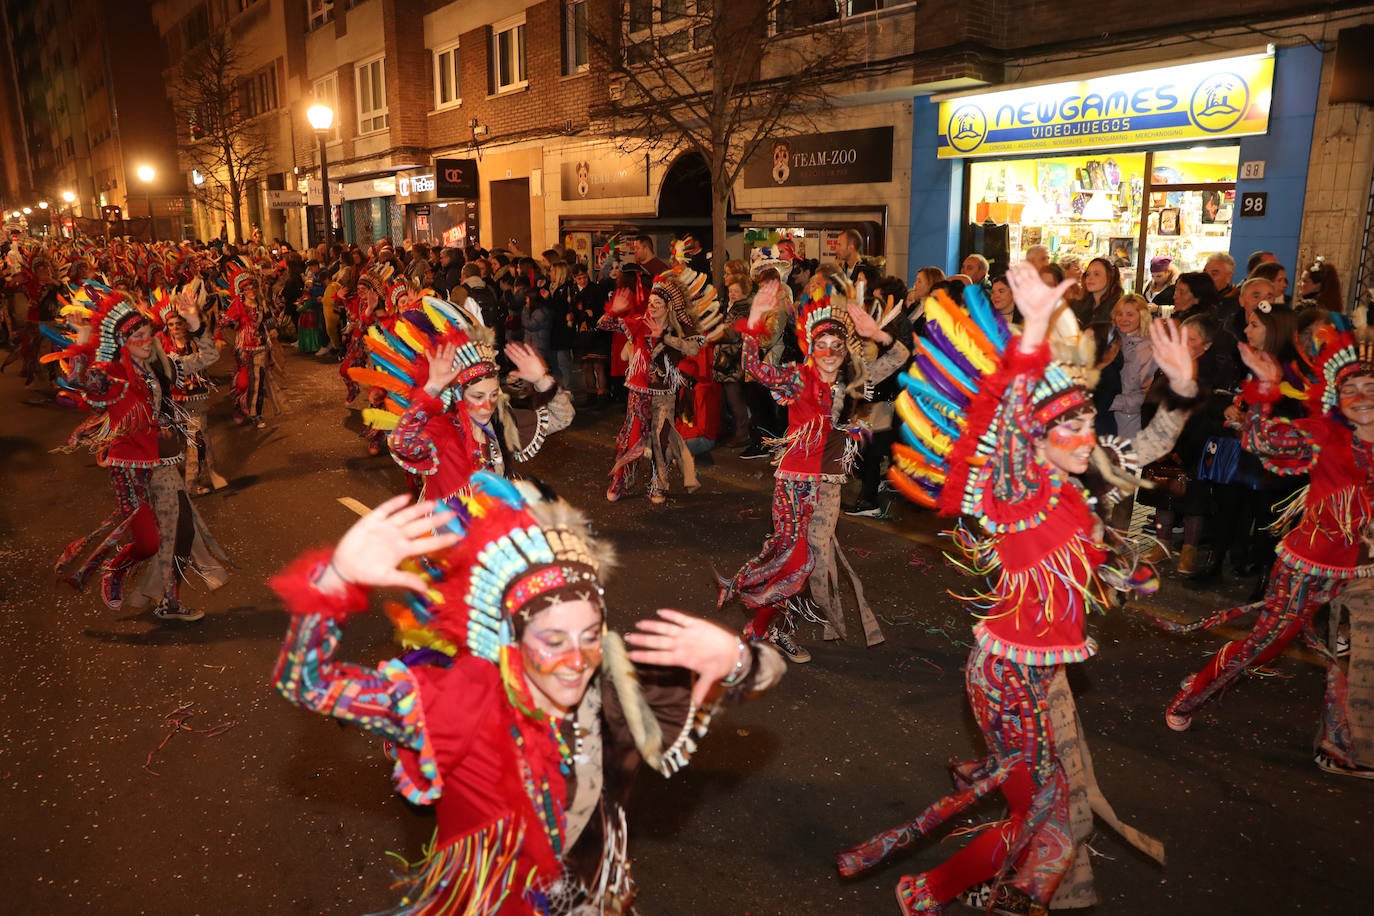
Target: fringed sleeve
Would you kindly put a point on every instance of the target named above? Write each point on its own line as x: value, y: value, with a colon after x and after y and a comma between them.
x: 1283, y: 445
x: 1017, y: 483
x: 891, y: 360
x: 784, y: 381
x: 410, y: 442
x: 385, y: 702
x: 206, y: 355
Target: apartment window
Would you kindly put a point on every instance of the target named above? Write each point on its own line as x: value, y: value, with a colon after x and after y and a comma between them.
x: 447, y: 89
x: 372, y: 110
x: 326, y: 91
x: 258, y: 92
x: 800, y: 14
x: 667, y: 28
x: 508, y: 55
x: 574, y: 36
x: 195, y: 28
x: 321, y: 11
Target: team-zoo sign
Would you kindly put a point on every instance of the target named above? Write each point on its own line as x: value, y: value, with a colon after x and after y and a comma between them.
x: 1220, y: 98
x: 838, y: 157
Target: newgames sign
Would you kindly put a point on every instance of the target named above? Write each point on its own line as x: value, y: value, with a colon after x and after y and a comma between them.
x: 1204, y: 101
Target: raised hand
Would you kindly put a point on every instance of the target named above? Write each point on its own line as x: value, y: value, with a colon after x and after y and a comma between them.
x: 684, y: 641
x: 1264, y: 365
x: 1034, y: 297
x: 865, y: 325
x: 443, y: 368
x: 377, y: 543
x: 529, y: 365
x: 1170, y: 351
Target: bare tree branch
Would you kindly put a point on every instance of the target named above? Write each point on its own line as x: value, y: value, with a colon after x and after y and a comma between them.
x: 719, y: 79
x: 219, y: 139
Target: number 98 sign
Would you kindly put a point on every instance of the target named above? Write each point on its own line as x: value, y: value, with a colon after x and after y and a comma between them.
x: 1254, y: 203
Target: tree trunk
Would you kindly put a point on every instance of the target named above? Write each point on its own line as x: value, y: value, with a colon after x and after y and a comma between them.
x: 235, y: 193
x: 720, y: 203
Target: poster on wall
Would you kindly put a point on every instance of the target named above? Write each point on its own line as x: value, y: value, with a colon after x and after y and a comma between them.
x: 840, y: 157
x: 610, y: 177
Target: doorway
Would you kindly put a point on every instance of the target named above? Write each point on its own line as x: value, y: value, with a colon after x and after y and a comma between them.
x: 510, y: 214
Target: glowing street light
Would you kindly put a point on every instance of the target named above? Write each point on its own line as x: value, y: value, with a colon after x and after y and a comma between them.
x: 146, y: 174
x: 42, y: 205
x: 28, y: 210
x: 69, y: 197
x: 321, y: 117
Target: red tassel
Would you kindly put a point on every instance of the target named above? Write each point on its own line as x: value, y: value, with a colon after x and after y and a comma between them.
x: 296, y: 587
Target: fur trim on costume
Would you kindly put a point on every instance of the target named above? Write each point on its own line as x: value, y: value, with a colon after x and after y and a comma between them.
x: 296, y: 586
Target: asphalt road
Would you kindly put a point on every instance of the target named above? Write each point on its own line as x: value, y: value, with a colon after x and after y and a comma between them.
x: 150, y: 768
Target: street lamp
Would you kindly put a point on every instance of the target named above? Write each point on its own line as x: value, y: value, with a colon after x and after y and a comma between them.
x: 146, y: 174
x: 70, y: 199
x: 321, y: 117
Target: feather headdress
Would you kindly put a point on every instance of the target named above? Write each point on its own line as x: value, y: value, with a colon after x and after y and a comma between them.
x: 522, y: 550
x: 952, y: 391
x: 397, y: 360
x: 1341, y: 357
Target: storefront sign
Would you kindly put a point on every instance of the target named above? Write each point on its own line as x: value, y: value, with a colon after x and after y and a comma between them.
x: 598, y: 179
x: 456, y: 178
x: 409, y: 185
x: 1251, y: 171
x: 284, y: 200
x: 841, y: 157
x: 1220, y: 98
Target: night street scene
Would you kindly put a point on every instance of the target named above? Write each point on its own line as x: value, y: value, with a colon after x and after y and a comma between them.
x: 592, y: 457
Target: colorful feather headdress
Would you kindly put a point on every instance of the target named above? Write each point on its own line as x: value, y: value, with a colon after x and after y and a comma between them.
x: 397, y: 361
x: 522, y: 551
x: 1342, y: 356
x: 949, y: 405
x: 668, y: 287
x: 824, y: 306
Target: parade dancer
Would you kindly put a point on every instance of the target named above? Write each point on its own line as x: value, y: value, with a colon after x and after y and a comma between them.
x: 248, y: 315
x: 1325, y: 548
x: 996, y: 430
x: 124, y: 377
x: 191, y: 393
x: 527, y: 739
x: 797, y: 573
x: 664, y: 334
x: 437, y: 368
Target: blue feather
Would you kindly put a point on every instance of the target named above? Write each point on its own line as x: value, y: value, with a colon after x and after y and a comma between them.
x: 498, y: 487
x: 988, y: 319
x: 912, y: 440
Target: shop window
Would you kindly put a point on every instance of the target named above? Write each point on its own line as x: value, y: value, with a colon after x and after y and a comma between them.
x: 321, y: 11
x: 666, y: 28
x: 574, y: 36
x: 326, y: 91
x: 1127, y: 206
x: 447, y: 89
x: 372, y: 107
x: 508, y: 55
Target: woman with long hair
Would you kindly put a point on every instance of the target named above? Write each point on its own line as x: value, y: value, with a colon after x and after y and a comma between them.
x: 796, y: 575
x: 126, y: 380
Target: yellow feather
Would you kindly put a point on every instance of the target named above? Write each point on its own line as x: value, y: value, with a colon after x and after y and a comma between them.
x: 380, y: 419
x: 924, y: 430
x: 410, y: 336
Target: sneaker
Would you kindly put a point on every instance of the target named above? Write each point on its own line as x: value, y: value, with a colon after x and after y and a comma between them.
x: 172, y: 610
x: 657, y: 498
x: 112, y: 590
x: 259, y: 422
x: 755, y: 451
x: 1328, y: 764
x: 864, y: 509
x: 612, y: 495
x: 1178, y: 721
x: 323, y: 351
x: 788, y: 647
x: 1342, y: 645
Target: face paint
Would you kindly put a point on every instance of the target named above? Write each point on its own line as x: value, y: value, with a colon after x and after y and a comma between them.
x: 1063, y: 437
x: 827, y: 347
x: 543, y: 659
